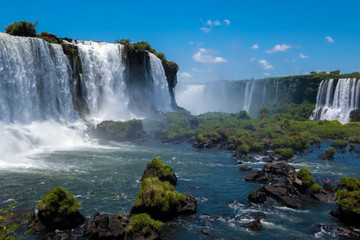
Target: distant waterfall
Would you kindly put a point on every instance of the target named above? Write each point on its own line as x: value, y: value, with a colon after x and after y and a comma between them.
x: 248, y: 95
x: 35, y: 81
x: 336, y: 102
x: 161, y: 95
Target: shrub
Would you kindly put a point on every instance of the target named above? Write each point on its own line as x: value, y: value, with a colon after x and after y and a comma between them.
x: 22, y: 28
x: 330, y: 151
x: 348, y: 201
x: 285, y: 153
x: 243, y: 148
x: 339, y: 143
x: 350, y: 183
x: 162, y: 170
x: 352, y: 146
x: 315, y: 188
x: 305, y: 176
x: 123, y: 41
x: 143, y: 223
x: 7, y: 231
x: 243, y: 115
x: 57, y: 202
x: 158, y: 195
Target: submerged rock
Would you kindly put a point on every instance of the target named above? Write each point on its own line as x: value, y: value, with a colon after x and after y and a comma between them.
x: 245, y: 168
x: 257, y: 197
x: 254, y: 225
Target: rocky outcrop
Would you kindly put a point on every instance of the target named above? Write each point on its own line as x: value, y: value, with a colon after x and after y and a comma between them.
x: 286, y: 194
x: 271, y: 172
x: 326, y: 157
x: 257, y: 197
x: 52, y: 223
x: 254, y: 225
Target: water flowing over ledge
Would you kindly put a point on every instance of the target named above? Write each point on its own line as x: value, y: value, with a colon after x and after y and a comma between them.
x: 336, y: 99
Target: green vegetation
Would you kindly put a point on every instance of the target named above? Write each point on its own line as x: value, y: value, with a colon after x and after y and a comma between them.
x: 339, y: 143
x: 143, y: 223
x: 7, y: 232
x: 163, y: 170
x: 305, y: 176
x: 348, y: 201
x: 285, y: 153
x: 122, y: 131
x: 350, y: 183
x: 123, y: 41
x: 22, y: 28
x: 352, y: 146
x: 315, y: 188
x: 57, y: 202
x: 330, y: 151
x: 158, y: 195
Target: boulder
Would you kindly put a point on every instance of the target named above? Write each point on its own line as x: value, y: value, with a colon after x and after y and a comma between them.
x: 326, y: 157
x: 51, y: 223
x: 245, y: 168
x: 257, y: 197
x: 285, y: 194
x: 189, y: 207
x: 326, y: 197
x: 254, y: 225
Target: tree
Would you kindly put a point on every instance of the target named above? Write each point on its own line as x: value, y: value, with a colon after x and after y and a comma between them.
x: 22, y: 28
x: 123, y: 41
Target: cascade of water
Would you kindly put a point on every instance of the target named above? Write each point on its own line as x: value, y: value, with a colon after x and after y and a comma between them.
x: 264, y: 93
x: 161, y: 95
x: 103, y: 77
x: 276, y: 91
x: 248, y: 95
x: 35, y: 81
x: 337, y: 104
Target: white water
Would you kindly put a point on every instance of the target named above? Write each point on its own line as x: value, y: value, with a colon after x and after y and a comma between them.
x: 337, y: 104
x: 37, y: 87
x: 161, y: 94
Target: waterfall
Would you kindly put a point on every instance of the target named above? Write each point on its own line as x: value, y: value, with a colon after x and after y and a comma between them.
x: 336, y: 104
x: 277, y: 91
x: 39, y: 91
x: 35, y: 81
x: 248, y: 95
x: 161, y: 95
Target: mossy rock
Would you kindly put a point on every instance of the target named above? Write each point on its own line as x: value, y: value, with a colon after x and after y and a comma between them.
x: 305, y: 176
x: 143, y: 224
x: 157, y: 168
x: 58, y: 209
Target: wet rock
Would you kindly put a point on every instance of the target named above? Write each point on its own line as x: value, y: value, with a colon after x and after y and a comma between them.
x: 326, y: 157
x: 43, y: 224
x: 263, y: 153
x: 254, y: 225
x: 19, y: 216
x: 270, y: 172
x: 329, y: 187
x: 206, y: 233
x: 326, y: 197
x: 151, y: 171
x: 259, y: 216
x: 257, y: 197
x: 245, y: 168
x: 267, y: 160
x: 348, y: 232
x: 287, y: 195
x: 189, y: 207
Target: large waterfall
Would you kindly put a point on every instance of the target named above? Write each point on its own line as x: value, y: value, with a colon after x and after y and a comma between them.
x: 40, y: 92
x: 336, y: 99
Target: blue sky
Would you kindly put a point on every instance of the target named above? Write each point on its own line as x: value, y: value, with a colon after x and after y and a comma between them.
x: 212, y: 40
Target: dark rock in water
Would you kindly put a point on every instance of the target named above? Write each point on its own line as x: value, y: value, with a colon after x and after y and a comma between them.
x: 270, y: 172
x: 99, y: 227
x: 326, y: 197
x: 51, y: 223
x: 264, y: 153
x: 245, y: 168
x: 239, y: 162
x: 287, y: 195
x: 259, y: 216
x: 346, y: 217
x: 267, y: 160
x: 327, y: 180
x: 189, y: 207
x: 257, y: 197
x: 329, y: 187
x: 326, y: 157
x: 254, y: 225
x: 206, y: 233
x: 348, y: 232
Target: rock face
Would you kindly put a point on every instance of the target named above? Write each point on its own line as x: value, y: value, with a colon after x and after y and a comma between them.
x: 51, y: 223
x: 280, y: 185
x: 100, y: 227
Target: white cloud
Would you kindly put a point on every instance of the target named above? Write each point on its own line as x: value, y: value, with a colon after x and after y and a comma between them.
x: 265, y: 64
x: 205, y: 56
x: 329, y: 39
x: 303, y: 56
x: 191, y: 43
x: 209, y: 24
x: 205, y: 29
x: 253, y: 59
x: 185, y: 75
x: 266, y: 74
x: 255, y: 46
x: 278, y: 48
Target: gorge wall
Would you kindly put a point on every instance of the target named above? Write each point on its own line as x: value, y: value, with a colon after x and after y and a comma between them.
x: 63, y: 79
